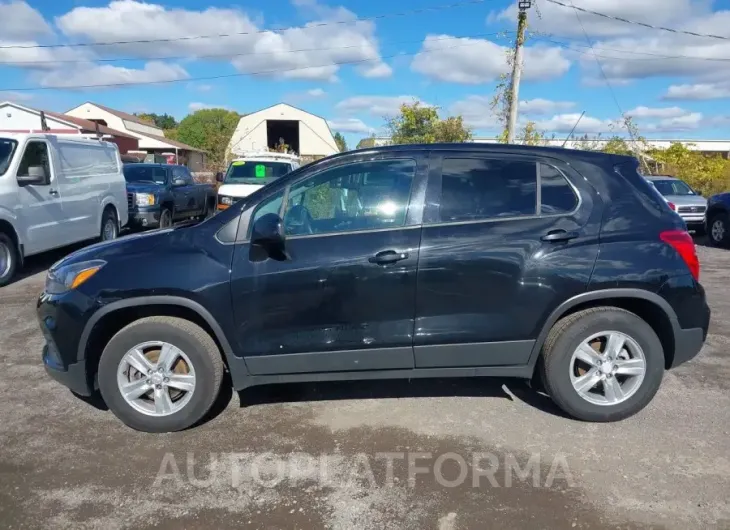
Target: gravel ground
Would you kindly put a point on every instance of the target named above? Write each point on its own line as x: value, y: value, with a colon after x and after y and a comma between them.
x: 448, y: 455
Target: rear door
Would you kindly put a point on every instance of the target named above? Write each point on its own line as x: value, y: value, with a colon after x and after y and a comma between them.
x: 505, y: 239
x: 344, y: 297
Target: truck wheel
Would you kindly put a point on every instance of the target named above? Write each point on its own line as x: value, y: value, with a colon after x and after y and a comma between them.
x: 160, y: 374
x: 719, y: 230
x: 109, y: 225
x: 602, y: 364
x: 166, y: 218
x: 8, y: 258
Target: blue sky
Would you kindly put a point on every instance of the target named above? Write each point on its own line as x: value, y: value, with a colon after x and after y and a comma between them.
x: 674, y: 85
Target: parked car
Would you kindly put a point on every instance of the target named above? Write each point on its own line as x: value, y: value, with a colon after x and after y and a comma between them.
x: 479, y: 260
x: 690, y: 205
x: 718, y: 220
x: 247, y: 174
x: 160, y: 194
x: 56, y: 191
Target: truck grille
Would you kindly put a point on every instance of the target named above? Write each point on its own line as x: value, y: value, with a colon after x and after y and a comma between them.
x: 692, y: 209
x: 130, y: 200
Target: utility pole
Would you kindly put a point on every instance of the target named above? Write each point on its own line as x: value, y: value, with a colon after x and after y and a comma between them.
x: 523, y: 6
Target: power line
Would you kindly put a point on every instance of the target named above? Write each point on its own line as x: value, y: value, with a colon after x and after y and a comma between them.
x: 651, y: 55
x: 462, y: 3
x: 646, y: 25
x: 220, y: 55
x: 226, y: 76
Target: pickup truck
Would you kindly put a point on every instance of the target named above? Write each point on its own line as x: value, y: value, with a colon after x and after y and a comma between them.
x: 160, y: 194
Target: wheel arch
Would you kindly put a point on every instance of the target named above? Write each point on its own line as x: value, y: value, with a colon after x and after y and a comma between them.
x: 647, y: 305
x: 111, y: 318
x: 8, y: 228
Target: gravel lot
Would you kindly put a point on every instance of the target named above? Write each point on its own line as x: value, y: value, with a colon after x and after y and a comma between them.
x: 66, y: 463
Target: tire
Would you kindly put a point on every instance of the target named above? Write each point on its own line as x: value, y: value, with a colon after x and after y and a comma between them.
x: 559, y: 369
x: 166, y: 218
x: 109, y: 225
x: 8, y: 259
x: 718, y: 230
x: 200, y: 358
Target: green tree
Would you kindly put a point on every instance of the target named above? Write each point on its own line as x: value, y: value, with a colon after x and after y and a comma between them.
x: 163, y: 121
x: 341, y: 142
x: 210, y: 130
x: 707, y: 174
x: 417, y: 124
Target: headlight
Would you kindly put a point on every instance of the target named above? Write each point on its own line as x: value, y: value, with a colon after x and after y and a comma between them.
x: 222, y: 199
x: 69, y: 277
x: 145, y: 199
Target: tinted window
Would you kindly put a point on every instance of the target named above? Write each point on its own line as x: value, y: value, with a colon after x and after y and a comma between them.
x: 36, y: 154
x: 7, y: 148
x: 474, y: 189
x: 362, y: 196
x: 139, y: 173
x: 557, y: 196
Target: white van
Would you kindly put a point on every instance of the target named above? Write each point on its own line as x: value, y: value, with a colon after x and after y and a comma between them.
x: 56, y: 190
x: 251, y: 172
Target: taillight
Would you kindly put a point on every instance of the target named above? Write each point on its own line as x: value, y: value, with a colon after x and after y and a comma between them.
x: 672, y: 206
x: 682, y: 242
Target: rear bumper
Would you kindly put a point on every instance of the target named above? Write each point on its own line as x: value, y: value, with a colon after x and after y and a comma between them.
x: 688, y: 344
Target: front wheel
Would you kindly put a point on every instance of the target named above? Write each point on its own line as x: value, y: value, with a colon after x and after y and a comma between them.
x: 602, y: 364
x: 8, y: 259
x: 719, y: 230
x: 160, y: 374
x: 166, y: 218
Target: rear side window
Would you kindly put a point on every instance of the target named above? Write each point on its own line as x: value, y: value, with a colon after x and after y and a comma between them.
x: 556, y: 194
x: 474, y: 189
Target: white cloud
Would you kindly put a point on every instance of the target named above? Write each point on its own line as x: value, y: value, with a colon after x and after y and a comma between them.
x: 379, y: 106
x: 702, y: 91
x: 106, y: 74
x: 350, y: 125
x: 539, y: 106
x: 377, y: 71
x: 476, y: 61
x: 269, y: 53
x: 476, y: 111
x: 196, y: 105
x: 20, y: 21
x: 564, y: 123
x: 316, y: 93
x: 27, y: 55
x: 660, y: 112
x: 200, y: 87
x: 17, y: 97
x: 687, y: 122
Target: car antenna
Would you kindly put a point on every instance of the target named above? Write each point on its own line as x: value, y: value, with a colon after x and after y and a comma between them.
x: 573, y: 129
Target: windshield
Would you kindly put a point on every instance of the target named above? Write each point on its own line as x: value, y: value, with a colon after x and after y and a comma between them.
x: 672, y: 187
x: 7, y: 148
x: 140, y: 173
x: 253, y: 172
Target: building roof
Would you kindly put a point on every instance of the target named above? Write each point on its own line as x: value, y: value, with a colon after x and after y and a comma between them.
x: 88, y: 125
x: 172, y: 143
x: 123, y: 115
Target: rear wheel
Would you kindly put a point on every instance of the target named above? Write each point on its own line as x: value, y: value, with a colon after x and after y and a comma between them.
x: 602, y: 364
x: 8, y: 258
x: 719, y: 230
x: 160, y: 374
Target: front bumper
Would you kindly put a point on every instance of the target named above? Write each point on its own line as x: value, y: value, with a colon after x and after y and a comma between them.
x: 144, y: 218
x: 72, y: 376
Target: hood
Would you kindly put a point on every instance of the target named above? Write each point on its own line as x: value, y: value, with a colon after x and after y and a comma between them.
x: 686, y: 200
x: 143, y: 187
x: 238, y: 190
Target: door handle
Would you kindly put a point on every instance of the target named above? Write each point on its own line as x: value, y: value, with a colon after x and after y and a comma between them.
x: 52, y: 192
x: 556, y: 236
x: 387, y: 257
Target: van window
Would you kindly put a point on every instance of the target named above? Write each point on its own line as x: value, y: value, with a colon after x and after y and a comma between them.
x: 473, y: 189
x: 255, y: 172
x: 84, y: 160
x: 7, y: 148
x: 36, y: 154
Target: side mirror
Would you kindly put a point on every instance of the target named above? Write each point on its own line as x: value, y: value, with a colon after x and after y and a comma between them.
x: 36, y: 175
x: 179, y: 182
x: 219, y: 176
x: 268, y: 233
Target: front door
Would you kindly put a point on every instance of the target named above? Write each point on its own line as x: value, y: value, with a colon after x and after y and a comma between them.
x: 40, y: 206
x: 343, y: 298
x: 183, y: 193
x: 505, y: 240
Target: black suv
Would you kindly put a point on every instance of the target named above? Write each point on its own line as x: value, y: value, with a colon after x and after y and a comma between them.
x: 395, y: 262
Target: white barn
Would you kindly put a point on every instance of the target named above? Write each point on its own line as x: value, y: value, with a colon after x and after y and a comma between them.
x: 307, y: 135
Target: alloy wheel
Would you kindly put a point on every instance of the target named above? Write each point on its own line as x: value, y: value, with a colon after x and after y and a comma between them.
x: 156, y: 378
x: 607, y: 368
x: 718, y: 230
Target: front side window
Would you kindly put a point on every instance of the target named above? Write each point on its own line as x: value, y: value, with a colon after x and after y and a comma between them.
x: 35, y: 155
x: 270, y: 205
x: 7, y: 148
x: 475, y: 189
x: 359, y: 196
